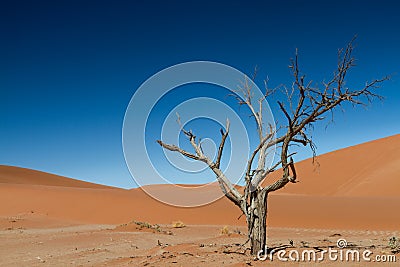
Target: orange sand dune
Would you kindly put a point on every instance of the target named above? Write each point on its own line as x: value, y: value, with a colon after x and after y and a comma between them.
x: 369, y: 169
x: 106, y: 206
x: 113, y: 206
x: 16, y: 175
x: 356, y: 188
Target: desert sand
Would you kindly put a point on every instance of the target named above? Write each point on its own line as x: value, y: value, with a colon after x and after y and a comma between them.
x: 49, y: 220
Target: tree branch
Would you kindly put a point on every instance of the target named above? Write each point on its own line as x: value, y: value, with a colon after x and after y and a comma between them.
x: 178, y: 149
x: 226, y: 186
x: 222, y: 144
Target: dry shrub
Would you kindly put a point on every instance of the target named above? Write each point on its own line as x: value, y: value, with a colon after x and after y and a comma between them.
x: 178, y: 224
x: 144, y: 225
x: 225, y: 230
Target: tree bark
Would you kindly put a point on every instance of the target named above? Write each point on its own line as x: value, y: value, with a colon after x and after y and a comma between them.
x: 257, y: 223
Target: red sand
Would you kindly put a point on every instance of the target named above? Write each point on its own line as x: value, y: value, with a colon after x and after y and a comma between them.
x: 16, y: 175
x: 369, y: 169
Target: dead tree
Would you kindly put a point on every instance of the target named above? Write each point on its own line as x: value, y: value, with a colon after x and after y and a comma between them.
x: 304, y: 104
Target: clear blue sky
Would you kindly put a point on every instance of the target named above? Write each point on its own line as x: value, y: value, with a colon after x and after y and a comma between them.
x: 69, y: 68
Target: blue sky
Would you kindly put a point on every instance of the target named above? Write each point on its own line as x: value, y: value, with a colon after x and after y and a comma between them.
x: 68, y: 69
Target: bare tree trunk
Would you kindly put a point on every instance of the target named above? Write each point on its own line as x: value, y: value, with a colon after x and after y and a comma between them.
x: 257, y: 223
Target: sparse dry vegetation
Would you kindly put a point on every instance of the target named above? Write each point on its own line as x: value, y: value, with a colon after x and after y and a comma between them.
x: 155, y: 228
x: 178, y: 224
x: 147, y: 225
x: 394, y: 244
x: 225, y: 230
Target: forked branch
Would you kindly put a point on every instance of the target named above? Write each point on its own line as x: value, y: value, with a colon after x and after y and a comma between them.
x: 226, y: 186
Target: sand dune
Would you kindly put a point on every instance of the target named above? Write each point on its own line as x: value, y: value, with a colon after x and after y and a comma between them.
x: 369, y: 169
x: 106, y: 206
x: 355, y: 188
x: 16, y: 175
x: 110, y: 206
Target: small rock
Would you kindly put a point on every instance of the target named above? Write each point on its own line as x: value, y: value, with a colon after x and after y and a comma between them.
x: 40, y: 259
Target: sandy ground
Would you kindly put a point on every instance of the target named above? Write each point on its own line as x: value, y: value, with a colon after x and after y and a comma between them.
x: 193, y: 245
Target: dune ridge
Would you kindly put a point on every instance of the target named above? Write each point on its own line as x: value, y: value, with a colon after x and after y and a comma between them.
x: 18, y: 175
x: 368, y: 169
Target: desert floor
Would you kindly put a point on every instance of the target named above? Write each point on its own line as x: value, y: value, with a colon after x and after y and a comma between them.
x: 133, y: 244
